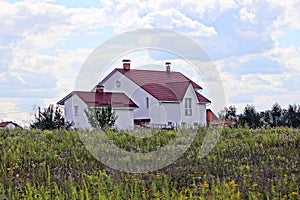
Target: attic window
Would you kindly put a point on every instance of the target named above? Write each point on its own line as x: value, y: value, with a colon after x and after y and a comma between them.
x: 118, y: 84
x: 188, y: 106
x: 147, y: 102
x: 76, y: 110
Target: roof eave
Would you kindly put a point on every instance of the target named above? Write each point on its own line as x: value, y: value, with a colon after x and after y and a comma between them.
x: 62, y: 101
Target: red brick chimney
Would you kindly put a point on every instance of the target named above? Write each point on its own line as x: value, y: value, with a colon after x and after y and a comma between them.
x: 99, y: 88
x: 168, y: 67
x: 126, y: 64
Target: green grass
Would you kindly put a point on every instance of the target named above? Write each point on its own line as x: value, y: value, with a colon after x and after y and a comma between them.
x: 245, y: 164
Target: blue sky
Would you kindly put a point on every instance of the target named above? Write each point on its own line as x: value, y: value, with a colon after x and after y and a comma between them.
x: 255, y: 46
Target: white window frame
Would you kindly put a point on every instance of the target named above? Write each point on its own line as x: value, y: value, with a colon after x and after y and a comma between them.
x: 188, y: 106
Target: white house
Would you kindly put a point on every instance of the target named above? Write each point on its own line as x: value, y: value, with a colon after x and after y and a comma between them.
x: 9, y: 125
x: 77, y: 102
x: 158, y: 98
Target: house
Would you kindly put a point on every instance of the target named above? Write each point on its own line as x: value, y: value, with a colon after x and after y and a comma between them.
x: 8, y: 124
x: 77, y: 102
x: 142, y: 97
x: 211, y: 118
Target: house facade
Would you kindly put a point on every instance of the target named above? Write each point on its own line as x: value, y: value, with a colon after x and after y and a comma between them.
x: 77, y: 102
x: 157, y: 98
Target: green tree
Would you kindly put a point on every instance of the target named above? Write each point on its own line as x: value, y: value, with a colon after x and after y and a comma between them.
x: 250, y: 117
x: 101, y: 117
x: 228, y: 113
x: 276, y: 113
x: 50, y: 118
x: 291, y: 116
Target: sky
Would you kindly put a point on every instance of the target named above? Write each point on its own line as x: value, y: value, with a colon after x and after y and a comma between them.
x: 255, y: 46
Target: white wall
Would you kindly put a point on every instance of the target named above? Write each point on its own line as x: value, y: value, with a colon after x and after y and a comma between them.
x: 173, y: 113
x: 80, y: 120
x: 202, y: 108
x: 198, y: 110
x: 133, y: 91
x: 10, y: 126
x: 124, y: 120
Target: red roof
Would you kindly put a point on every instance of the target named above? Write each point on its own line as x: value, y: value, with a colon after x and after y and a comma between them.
x: 4, y: 124
x: 210, y: 116
x: 164, y: 86
x: 102, y: 99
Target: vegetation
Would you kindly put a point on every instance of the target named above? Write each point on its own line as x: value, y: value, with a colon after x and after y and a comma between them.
x: 275, y: 117
x: 50, y: 118
x: 245, y: 164
x: 101, y: 117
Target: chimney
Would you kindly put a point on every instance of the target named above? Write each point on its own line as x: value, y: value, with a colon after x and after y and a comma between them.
x: 126, y: 64
x: 168, y: 67
x: 99, y: 88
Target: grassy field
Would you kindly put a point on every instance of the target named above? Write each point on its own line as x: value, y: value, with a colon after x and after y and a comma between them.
x: 245, y: 164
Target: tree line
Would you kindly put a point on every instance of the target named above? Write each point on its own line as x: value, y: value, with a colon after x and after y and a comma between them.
x: 52, y: 117
x: 275, y: 117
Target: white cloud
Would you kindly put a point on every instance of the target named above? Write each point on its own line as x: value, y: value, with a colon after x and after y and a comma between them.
x: 182, y: 16
x: 288, y: 20
x: 289, y: 57
x: 2, y: 78
x: 171, y: 19
x: 245, y: 15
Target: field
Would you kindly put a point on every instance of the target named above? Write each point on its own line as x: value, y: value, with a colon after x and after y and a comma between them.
x: 245, y: 164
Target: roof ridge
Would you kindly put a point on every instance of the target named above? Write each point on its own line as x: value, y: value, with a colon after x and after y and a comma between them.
x: 149, y: 70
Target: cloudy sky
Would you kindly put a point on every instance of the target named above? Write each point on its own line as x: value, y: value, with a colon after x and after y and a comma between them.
x: 255, y: 45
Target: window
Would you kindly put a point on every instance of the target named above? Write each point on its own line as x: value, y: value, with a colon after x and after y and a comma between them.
x: 76, y: 110
x: 188, y: 106
x: 147, y: 102
x: 118, y: 84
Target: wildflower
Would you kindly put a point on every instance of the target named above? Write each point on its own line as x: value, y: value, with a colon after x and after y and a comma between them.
x: 255, y: 184
x: 205, y: 184
x: 233, y: 183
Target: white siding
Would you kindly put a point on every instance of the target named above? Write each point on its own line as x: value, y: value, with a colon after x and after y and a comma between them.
x: 133, y: 91
x: 124, y: 120
x: 173, y: 111
x: 10, y: 126
x: 202, y: 108
x: 198, y: 110
x: 80, y: 119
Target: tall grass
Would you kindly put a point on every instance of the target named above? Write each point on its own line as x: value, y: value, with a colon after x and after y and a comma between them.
x: 245, y: 164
